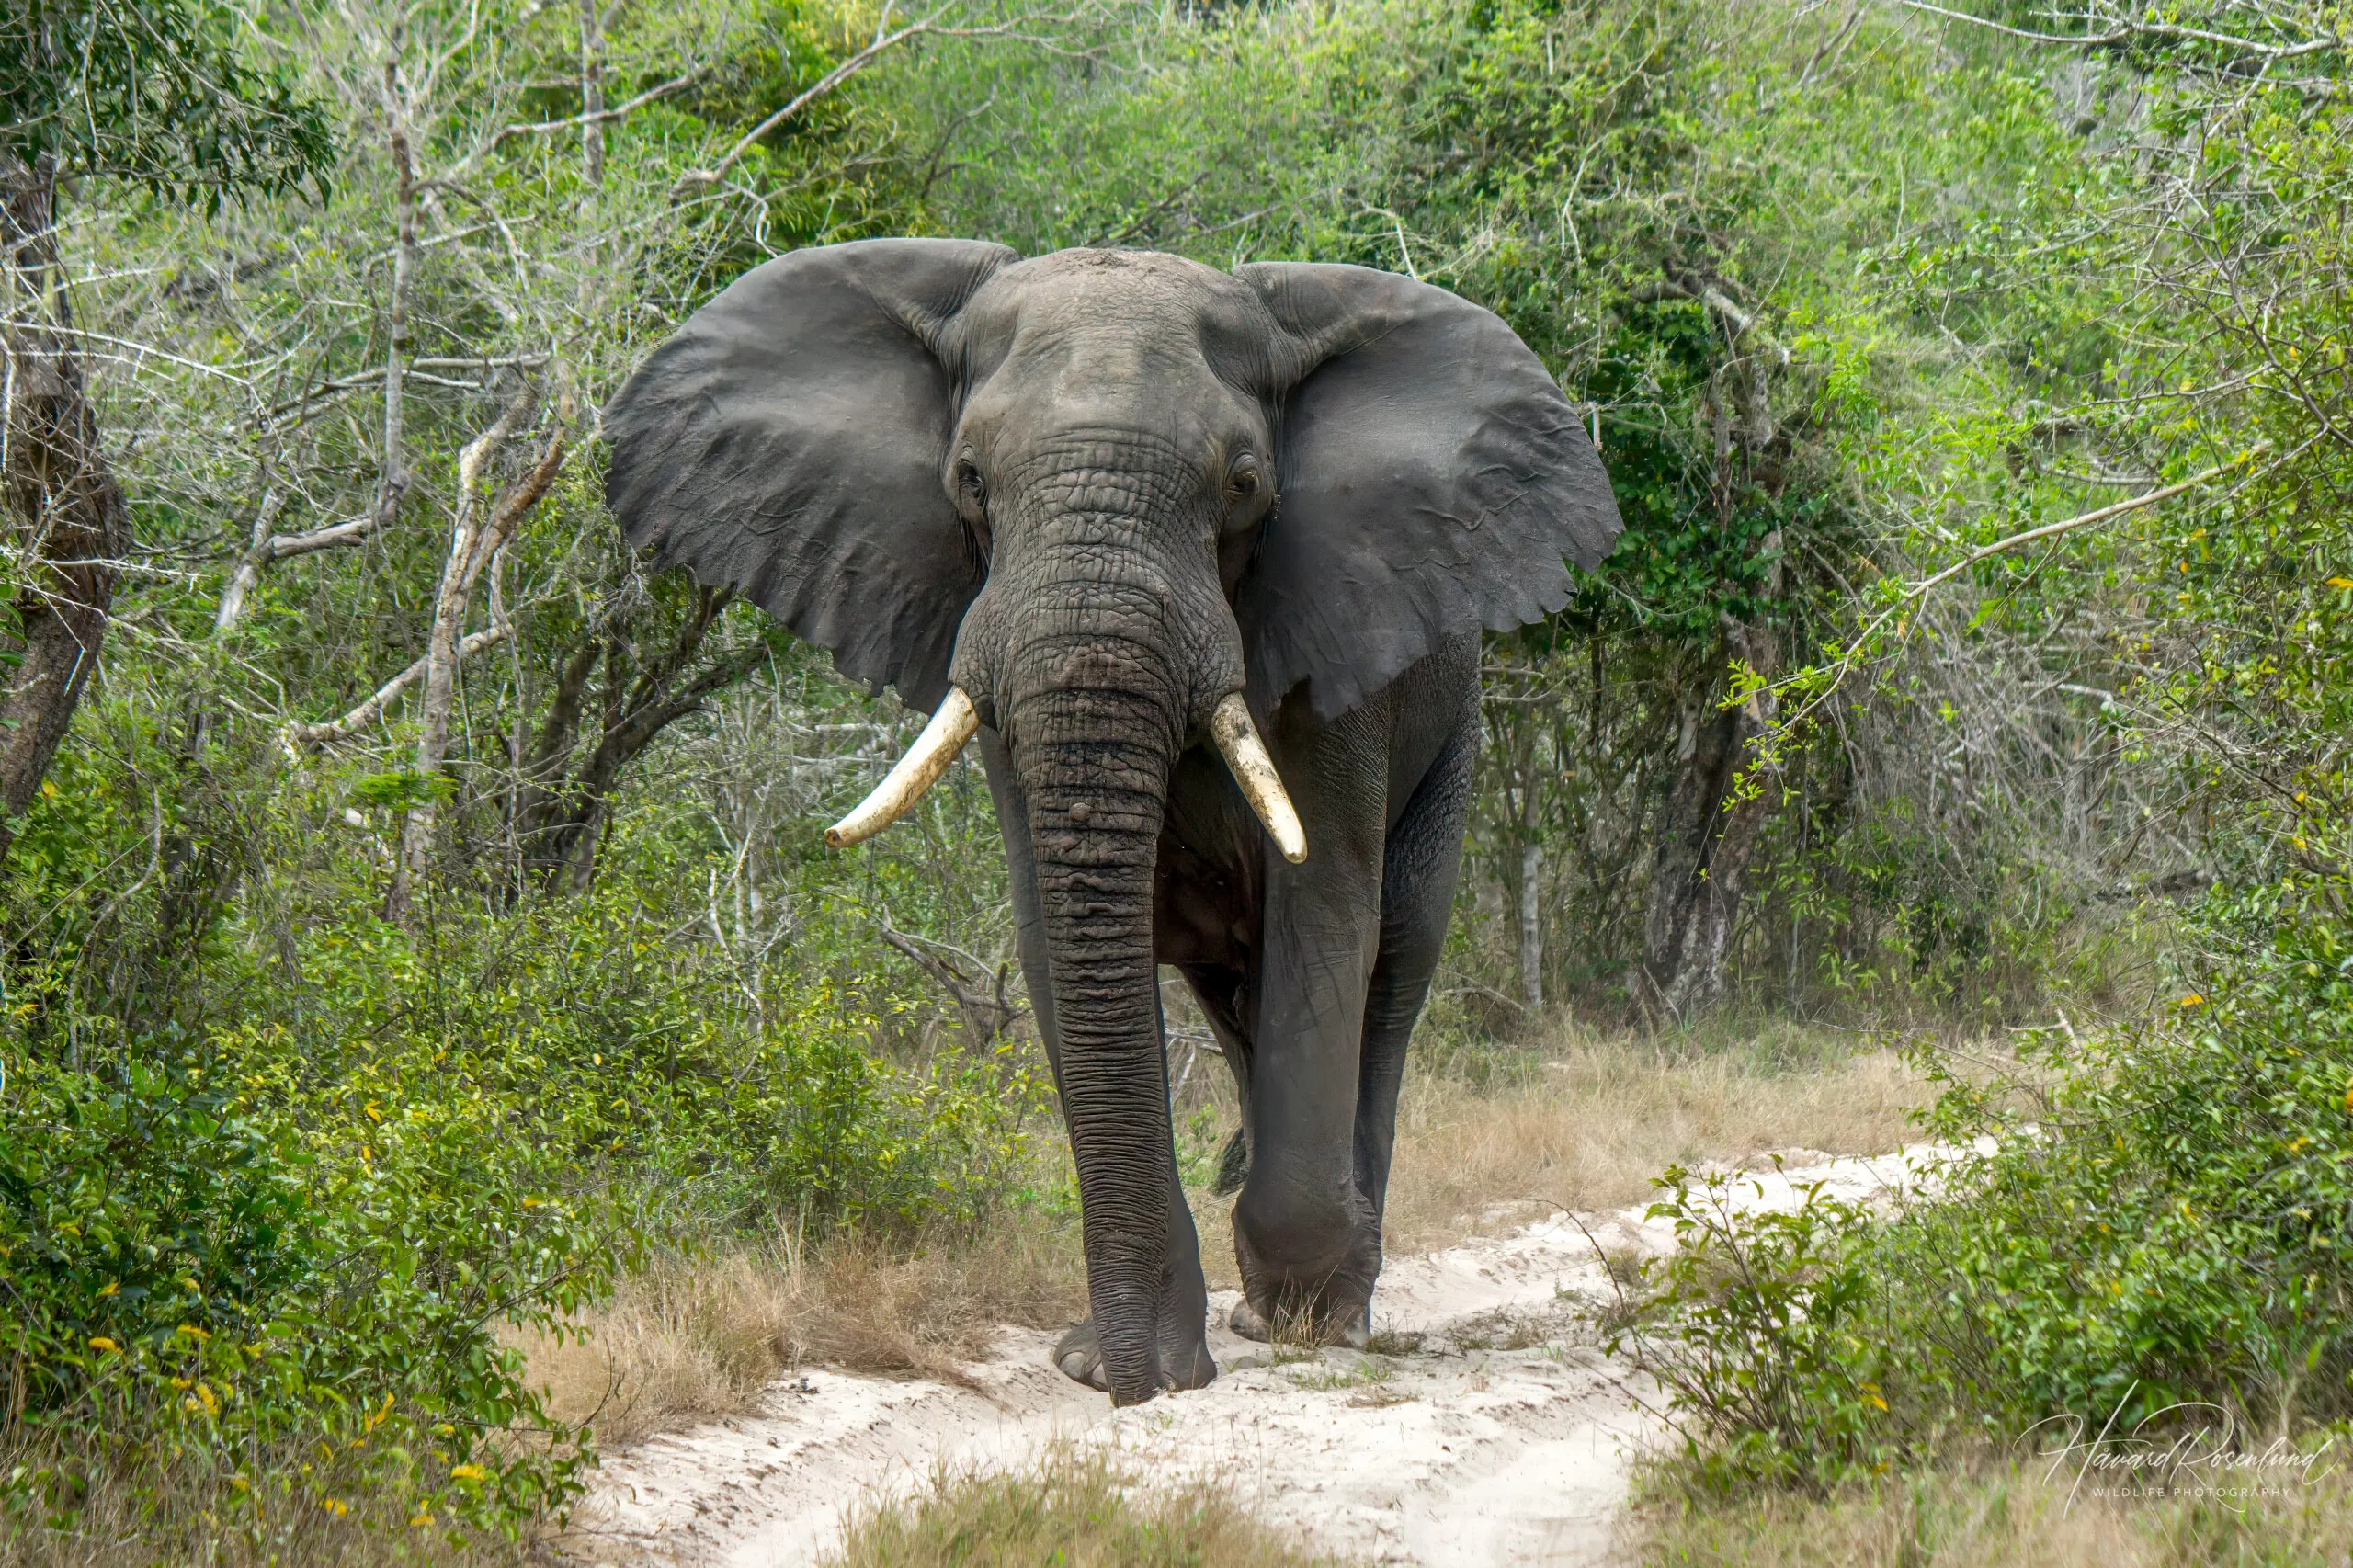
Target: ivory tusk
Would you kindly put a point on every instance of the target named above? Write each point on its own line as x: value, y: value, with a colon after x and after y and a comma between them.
x: 1238, y: 743
x: 917, y: 772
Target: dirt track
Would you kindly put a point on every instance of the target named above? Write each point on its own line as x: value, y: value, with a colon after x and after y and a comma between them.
x: 1504, y: 1437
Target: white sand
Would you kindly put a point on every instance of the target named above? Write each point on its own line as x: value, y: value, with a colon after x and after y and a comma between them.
x: 1462, y: 1453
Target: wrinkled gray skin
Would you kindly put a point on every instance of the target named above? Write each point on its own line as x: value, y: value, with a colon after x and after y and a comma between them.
x: 1100, y: 490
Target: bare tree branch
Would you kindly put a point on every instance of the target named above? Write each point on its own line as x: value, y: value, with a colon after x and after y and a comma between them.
x: 2134, y: 32
x: 367, y: 712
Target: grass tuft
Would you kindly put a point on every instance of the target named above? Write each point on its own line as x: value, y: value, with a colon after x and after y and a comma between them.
x: 1074, y: 1510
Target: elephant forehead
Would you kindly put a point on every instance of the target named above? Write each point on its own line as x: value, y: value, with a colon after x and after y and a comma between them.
x: 1117, y: 314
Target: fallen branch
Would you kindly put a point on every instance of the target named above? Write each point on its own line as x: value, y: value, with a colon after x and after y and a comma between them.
x: 987, y: 1016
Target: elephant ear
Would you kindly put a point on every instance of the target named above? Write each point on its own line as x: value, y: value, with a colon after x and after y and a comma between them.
x: 787, y: 442
x: 1432, y: 480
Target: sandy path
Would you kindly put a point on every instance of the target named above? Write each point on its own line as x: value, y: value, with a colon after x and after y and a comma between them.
x: 1504, y: 1437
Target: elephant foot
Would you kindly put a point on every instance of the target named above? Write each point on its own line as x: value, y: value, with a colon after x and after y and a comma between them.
x: 1080, y: 1358
x: 1352, y: 1330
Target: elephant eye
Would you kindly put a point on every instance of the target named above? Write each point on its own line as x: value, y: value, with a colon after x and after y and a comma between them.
x: 1241, y: 480
x: 969, y: 484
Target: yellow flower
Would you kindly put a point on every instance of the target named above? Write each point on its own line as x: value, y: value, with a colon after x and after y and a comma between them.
x: 2348, y: 1100
x: 468, y: 1472
x: 423, y: 1521
x: 2193, y: 1000
x: 331, y: 1506
x: 195, y: 1332
x: 112, y: 1286
x: 102, y: 1342
x: 2341, y: 582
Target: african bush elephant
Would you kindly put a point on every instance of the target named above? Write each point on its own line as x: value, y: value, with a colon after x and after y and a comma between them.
x: 1123, y: 515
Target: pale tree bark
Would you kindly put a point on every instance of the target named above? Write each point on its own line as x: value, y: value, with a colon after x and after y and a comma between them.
x: 72, y: 525
x: 475, y: 539
x: 384, y: 696
x: 592, y: 92
x: 1531, y: 818
x: 1532, y: 921
x: 1711, y: 819
x: 267, y: 548
x: 396, y: 480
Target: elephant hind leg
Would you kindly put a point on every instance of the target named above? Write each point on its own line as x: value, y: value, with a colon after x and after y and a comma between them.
x: 1421, y: 864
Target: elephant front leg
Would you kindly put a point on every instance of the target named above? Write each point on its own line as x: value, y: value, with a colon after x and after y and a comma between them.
x: 1307, y: 1240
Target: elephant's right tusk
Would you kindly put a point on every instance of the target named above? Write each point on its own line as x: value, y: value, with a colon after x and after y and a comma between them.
x: 1238, y: 743
x: 917, y: 772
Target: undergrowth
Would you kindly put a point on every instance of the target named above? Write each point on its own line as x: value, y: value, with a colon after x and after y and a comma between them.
x: 276, y: 1262
x: 2141, y: 1241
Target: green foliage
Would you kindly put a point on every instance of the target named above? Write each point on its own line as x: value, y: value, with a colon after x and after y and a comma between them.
x: 1768, y: 1379
x: 306, y: 1219
x: 2146, y: 1225
x: 154, y: 91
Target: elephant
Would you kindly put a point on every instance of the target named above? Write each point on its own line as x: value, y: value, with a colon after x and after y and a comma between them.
x: 1203, y: 558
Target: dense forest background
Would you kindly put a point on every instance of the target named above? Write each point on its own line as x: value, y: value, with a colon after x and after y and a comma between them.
x: 413, y: 911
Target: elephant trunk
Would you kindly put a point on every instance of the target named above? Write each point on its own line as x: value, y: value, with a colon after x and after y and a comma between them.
x: 1095, y: 767
x: 1103, y: 673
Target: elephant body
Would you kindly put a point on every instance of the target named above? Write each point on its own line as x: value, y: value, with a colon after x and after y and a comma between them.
x: 1124, y: 516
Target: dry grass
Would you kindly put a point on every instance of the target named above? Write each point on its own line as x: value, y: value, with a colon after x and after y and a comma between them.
x: 1583, y: 1124
x: 1077, y: 1510
x: 694, y: 1338
x: 2007, y: 1518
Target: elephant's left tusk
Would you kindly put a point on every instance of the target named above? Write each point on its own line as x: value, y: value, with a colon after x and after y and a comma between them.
x: 1238, y: 743
x: 917, y: 772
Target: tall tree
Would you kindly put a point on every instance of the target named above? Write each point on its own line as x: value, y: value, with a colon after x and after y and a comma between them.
x: 152, y: 92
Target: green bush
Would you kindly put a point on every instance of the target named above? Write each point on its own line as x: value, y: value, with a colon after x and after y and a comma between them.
x: 2163, y: 1215
x: 283, y: 1250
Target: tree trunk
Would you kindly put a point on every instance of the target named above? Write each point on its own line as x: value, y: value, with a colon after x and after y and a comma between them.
x: 475, y: 539
x: 1706, y: 838
x: 394, y: 482
x: 1531, y: 928
x: 559, y: 814
x: 73, y: 525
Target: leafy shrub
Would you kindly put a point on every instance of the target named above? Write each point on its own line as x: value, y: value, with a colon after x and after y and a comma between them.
x: 1763, y: 1372
x: 2163, y: 1215
x: 186, y: 1269
x: 283, y: 1249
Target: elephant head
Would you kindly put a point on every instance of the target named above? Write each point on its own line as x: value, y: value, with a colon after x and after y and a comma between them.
x: 1107, y: 502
